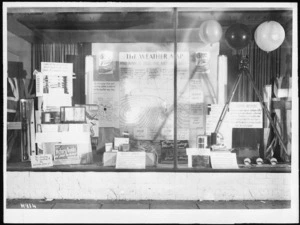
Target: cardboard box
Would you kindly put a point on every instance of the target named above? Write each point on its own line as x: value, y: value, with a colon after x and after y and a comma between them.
x: 198, y: 161
x: 84, y: 153
x: 108, y: 147
x: 109, y: 158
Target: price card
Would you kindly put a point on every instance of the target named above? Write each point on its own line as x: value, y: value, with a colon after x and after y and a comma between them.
x: 131, y: 160
x: 39, y: 161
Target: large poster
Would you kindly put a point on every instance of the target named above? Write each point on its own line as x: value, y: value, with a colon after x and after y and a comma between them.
x: 147, y: 93
x: 133, y: 85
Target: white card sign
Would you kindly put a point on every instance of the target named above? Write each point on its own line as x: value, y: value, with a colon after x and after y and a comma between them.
x: 65, y: 151
x: 59, y: 69
x: 38, y: 161
x: 120, y: 141
x: 131, y: 160
x: 246, y: 115
x: 223, y: 160
x: 197, y: 151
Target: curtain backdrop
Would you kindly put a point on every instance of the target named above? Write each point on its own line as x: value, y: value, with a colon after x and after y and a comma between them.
x: 65, y: 53
x: 55, y: 52
x: 264, y: 68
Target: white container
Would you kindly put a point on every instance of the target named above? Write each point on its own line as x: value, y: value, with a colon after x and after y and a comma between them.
x: 108, y: 147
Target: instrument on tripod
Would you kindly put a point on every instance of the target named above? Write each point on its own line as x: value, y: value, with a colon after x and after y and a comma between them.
x: 244, y: 71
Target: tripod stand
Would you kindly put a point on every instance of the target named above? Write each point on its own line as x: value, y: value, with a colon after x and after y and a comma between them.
x: 244, y: 71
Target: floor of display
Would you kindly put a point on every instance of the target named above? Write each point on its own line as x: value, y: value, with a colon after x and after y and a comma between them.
x: 98, y: 166
x: 143, y: 204
x: 26, y: 166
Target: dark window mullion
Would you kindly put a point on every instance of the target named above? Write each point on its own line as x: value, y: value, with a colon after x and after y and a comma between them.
x: 175, y: 17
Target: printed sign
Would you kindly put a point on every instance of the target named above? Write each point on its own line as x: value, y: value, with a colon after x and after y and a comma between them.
x: 246, y: 115
x: 120, y: 141
x: 56, y: 78
x: 38, y: 161
x: 224, y: 160
x: 65, y: 151
x: 131, y: 160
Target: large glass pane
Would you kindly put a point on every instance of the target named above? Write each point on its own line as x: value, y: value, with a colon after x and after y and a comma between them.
x: 226, y: 59
x: 122, y: 60
x: 131, y: 80
x: 123, y: 71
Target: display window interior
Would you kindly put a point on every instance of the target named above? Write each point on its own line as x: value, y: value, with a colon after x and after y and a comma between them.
x: 149, y: 89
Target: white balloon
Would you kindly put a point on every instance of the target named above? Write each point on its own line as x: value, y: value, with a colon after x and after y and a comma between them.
x: 269, y: 35
x: 210, y: 31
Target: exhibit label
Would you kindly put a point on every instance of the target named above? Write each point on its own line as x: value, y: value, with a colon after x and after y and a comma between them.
x: 131, y: 160
x: 226, y: 160
x: 63, y: 151
x: 39, y: 161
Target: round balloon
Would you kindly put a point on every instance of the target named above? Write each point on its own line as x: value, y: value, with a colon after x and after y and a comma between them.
x: 238, y: 36
x: 210, y: 31
x: 269, y: 35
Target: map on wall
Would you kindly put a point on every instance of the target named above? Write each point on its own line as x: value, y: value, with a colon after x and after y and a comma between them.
x: 137, y: 95
x: 147, y: 92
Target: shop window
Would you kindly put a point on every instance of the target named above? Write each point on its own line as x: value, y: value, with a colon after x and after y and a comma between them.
x: 147, y: 89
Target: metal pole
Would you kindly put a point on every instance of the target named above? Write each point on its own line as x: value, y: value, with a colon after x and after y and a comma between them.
x: 175, y: 86
x: 225, y: 109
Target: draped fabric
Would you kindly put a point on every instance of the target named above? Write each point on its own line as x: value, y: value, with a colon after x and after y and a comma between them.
x: 55, y: 52
x: 264, y: 68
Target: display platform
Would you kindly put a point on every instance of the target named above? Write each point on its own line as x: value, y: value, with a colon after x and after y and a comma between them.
x: 99, y: 167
